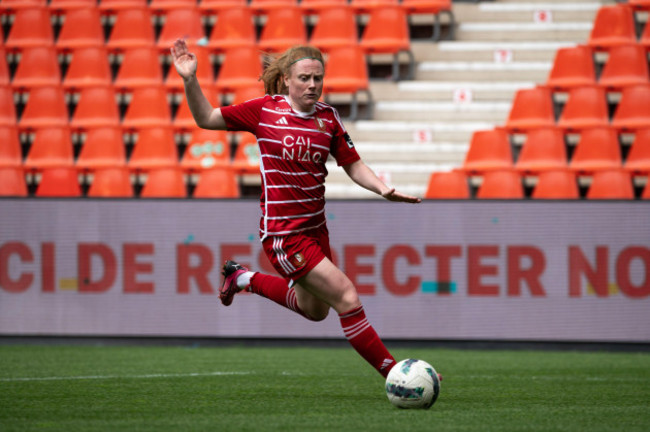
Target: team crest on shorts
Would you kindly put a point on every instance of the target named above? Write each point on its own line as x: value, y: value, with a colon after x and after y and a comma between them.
x: 298, y: 260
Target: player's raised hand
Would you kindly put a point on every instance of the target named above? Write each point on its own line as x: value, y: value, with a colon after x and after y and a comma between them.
x: 184, y: 60
x: 393, y: 195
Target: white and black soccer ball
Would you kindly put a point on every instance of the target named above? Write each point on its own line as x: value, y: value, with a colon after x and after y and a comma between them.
x: 412, y: 383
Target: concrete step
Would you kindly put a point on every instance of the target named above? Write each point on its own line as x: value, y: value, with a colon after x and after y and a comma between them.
x: 413, y: 131
x: 449, y: 91
x: 441, y: 111
x: 497, y: 51
x: 530, y: 11
x: 535, y: 71
x: 515, y: 31
x: 431, y: 152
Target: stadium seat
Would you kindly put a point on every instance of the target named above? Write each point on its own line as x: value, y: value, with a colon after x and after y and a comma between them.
x: 611, y: 184
x: 234, y: 28
x: 435, y: 7
x: 112, y: 182
x: 72, y: 4
x: 262, y: 7
x: 387, y: 32
x: 206, y: 149
x: 148, y: 108
x: 247, y: 155
x: 572, y: 67
x: 7, y: 106
x: 204, y: 72
x: 543, y: 150
x: 489, y: 150
x: 613, y: 26
x: 585, y: 108
x: 316, y: 6
x: 39, y: 66
x: 81, y: 28
x: 217, y: 182
x: 336, y: 26
x: 97, y: 107
x: 633, y: 111
x: 46, y: 107
x: 241, y: 67
x: 133, y: 28
x: 59, y: 182
x: 89, y: 67
x: 154, y: 148
x: 558, y: 184
x: 347, y: 73
x: 10, y: 148
x: 216, y: 6
x: 140, y: 67
x: 646, y: 192
x: 283, y: 29
x: 627, y: 65
x: 52, y: 147
x: 502, y: 184
x: 598, y: 149
x: 366, y: 6
x: 247, y: 93
x: 164, y: 183
x: 531, y: 108
x: 181, y: 23
x: 167, y: 5
x: 5, y: 78
x: 12, y: 181
x: 638, y: 159
x: 448, y: 185
x: 114, y: 5
x: 644, y: 39
x: 183, y: 119
x: 102, y: 148
x: 22, y: 4
x: 31, y: 28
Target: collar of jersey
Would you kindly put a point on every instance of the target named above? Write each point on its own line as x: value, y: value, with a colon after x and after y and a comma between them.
x: 300, y: 113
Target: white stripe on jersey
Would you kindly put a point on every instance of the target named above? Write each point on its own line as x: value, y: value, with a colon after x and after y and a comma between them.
x: 269, y: 140
x: 292, y: 173
x: 280, y: 233
x: 294, y: 187
x: 295, y: 216
x: 295, y: 128
x: 295, y: 201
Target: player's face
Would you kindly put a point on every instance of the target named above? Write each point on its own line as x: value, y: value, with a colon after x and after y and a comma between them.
x: 305, y: 84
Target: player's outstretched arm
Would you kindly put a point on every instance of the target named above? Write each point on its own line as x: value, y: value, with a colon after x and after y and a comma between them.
x: 362, y: 175
x: 185, y: 63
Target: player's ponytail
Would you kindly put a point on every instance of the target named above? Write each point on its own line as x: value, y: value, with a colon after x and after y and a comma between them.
x: 277, y: 67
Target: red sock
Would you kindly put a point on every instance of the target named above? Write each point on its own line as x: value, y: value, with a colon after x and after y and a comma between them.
x: 275, y: 288
x: 363, y: 337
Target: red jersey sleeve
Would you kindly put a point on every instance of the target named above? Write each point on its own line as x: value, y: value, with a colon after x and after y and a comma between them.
x: 342, y: 148
x: 244, y: 116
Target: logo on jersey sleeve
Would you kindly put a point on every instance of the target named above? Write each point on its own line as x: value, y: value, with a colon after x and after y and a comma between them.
x: 348, y: 140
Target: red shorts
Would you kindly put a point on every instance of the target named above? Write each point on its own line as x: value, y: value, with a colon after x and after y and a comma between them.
x: 295, y: 255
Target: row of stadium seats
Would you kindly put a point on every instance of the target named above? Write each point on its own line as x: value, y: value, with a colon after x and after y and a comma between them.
x: 616, y: 25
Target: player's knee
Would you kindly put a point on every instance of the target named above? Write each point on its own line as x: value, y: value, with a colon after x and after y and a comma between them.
x: 317, y: 315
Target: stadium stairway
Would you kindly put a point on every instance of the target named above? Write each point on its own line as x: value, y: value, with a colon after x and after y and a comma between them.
x: 424, y: 125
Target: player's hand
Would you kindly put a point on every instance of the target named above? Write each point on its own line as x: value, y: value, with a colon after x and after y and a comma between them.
x: 393, y: 195
x: 184, y: 61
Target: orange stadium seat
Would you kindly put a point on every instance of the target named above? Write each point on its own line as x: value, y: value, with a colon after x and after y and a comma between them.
x: 217, y: 182
x: 366, y: 6
x: 638, y: 159
x: 102, y: 148
x: 435, y: 7
x: 315, y: 6
x: 4, y: 68
x: 611, y: 184
x: 586, y: 108
x: 59, y: 182
x: 97, y: 107
x: 598, y: 149
x: 558, y: 184
x: 12, y: 181
x: 613, y: 25
x: 646, y: 192
x: 387, y: 32
x: 448, y: 185
x: 133, y: 28
x: 336, y: 26
x: 23, y: 4
x: 183, y: 119
x: 572, y: 67
x: 234, y: 28
x: 347, y: 73
x: 148, y: 108
x: 211, y: 6
x: 89, y: 67
x: 7, y: 106
x: 10, y: 150
x: 39, y: 66
x: 644, y: 39
x: 52, y: 147
x: 31, y: 28
x: 181, y: 23
x: 247, y: 155
x: 633, y: 111
x: 531, y: 108
x: 114, y: 182
x: 204, y: 70
x: 206, y: 149
x: 247, y: 93
x: 265, y: 6
x: 122, y: 4
x: 627, y: 65
x: 154, y: 148
x: 140, y: 67
x: 72, y: 4
x: 284, y: 28
x: 505, y: 184
x: 241, y: 67
x: 164, y: 183
x: 641, y: 5
x: 489, y: 150
x: 543, y: 150
x: 46, y: 107
x: 81, y: 28
x: 166, y: 5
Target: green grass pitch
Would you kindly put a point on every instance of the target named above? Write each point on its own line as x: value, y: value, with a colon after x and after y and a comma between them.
x: 109, y: 388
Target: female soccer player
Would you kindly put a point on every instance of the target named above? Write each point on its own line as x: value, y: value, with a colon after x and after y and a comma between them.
x: 296, y: 133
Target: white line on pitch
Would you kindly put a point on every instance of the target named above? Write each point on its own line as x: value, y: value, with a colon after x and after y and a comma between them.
x: 106, y: 377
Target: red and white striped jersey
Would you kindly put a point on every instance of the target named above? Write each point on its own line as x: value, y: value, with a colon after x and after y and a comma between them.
x: 293, y: 150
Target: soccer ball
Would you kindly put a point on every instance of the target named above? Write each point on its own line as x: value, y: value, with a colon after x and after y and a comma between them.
x: 412, y: 383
